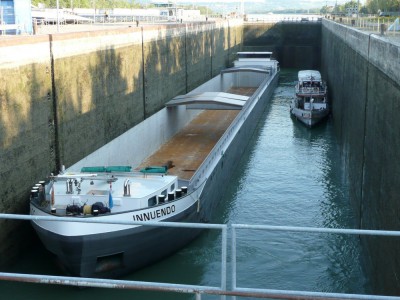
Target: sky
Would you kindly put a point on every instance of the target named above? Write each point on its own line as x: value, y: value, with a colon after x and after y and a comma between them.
x: 269, y: 5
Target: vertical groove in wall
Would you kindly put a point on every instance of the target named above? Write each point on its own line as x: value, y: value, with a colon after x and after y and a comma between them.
x: 54, y: 107
x: 229, y: 42
x: 186, y: 61
x: 143, y: 77
x: 364, y: 136
x: 211, y: 51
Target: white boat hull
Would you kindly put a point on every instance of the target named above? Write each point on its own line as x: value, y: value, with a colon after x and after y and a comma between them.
x: 309, y: 117
x: 110, y: 250
x: 118, y: 252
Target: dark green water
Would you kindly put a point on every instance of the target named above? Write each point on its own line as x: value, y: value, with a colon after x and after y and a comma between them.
x: 290, y: 176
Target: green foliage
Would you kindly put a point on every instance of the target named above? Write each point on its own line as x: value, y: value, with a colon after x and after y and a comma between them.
x: 385, y: 5
x: 371, y: 6
x: 349, y: 5
x: 375, y: 6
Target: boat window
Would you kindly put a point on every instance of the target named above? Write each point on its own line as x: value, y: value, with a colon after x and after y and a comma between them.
x: 164, y: 192
x: 254, y: 55
x: 152, y: 201
x: 172, y: 187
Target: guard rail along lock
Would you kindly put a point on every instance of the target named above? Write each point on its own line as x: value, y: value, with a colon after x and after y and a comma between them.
x: 198, y: 290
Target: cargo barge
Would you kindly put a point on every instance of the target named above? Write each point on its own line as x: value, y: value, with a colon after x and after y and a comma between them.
x: 172, y: 167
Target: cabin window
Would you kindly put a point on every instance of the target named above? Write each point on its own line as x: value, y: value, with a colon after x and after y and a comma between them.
x: 164, y: 192
x: 253, y: 55
x: 172, y: 187
x: 152, y: 201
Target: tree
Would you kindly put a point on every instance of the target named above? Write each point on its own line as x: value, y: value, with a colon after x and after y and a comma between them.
x: 375, y: 6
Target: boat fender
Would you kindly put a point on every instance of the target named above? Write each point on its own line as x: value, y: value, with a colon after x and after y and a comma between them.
x: 87, y: 209
x: 74, y: 209
x: 99, y: 206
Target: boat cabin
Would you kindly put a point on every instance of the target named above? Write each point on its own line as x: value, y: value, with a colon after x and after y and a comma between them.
x: 256, y: 59
x: 310, y: 85
x: 309, y: 76
x: 247, y: 56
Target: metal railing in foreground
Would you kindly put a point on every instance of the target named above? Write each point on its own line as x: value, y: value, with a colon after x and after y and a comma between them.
x: 285, y: 294
x: 198, y: 290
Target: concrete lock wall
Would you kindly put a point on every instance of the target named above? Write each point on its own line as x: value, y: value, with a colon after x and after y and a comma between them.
x: 26, y: 131
x: 63, y: 96
x: 294, y: 45
x: 363, y: 74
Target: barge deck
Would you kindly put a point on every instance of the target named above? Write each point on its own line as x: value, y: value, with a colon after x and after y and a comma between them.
x: 187, y: 149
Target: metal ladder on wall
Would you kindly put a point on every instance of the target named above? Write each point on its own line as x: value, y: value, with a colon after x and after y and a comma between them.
x: 199, y: 290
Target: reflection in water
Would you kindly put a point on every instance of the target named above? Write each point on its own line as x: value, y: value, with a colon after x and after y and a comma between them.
x: 290, y: 175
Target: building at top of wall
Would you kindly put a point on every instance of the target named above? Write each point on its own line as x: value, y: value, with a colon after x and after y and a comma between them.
x: 15, y: 17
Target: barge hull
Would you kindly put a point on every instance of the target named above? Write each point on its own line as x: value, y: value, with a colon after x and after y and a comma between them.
x: 112, y: 254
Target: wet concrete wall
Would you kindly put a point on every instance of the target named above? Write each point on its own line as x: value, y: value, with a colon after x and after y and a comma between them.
x: 294, y: 44
x: 363, y: 74
x: 26, y: 131
x: 62, y: 96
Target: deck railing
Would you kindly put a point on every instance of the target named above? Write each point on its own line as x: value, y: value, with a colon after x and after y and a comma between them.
x: 311, y: 90
x: 198, y: 290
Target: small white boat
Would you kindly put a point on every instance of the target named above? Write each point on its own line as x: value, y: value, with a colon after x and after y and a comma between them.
x: 195, y: 141
x: 310, y: 104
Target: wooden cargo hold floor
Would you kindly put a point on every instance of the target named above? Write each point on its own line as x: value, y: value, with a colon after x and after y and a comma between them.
x: 189, y: 147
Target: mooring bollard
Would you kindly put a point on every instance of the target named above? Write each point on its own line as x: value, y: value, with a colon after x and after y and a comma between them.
x: 383, y: 29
